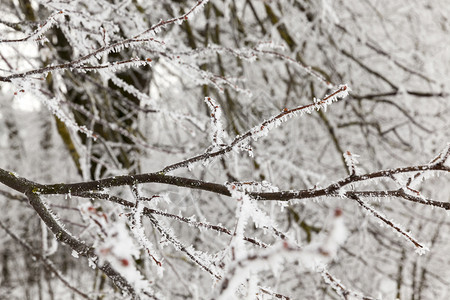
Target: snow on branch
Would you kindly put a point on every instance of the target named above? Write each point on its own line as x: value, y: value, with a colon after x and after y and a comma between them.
x: 351, y: 162
x: 312, y: 257
x: 155, y: 29
x: 248, y: 207
x: 420, y: 248
x: 263, y: 129
x: 129, y: 88
x: 138, y: 231
x: 78, y: 247
x: 119, y: 250
x: 217, y: 132
x: 97, y: 54
x: 112, y: 48
x: 333, y: 190
x: 79, y: 66
x: 37, y: 35
x: 442, y: 157
x: 191, y: 221
x: 253, y: 186
x: 115, y: 246
x: 243, y: 212
x: 117, y: 65
x: 199, y: 258
x: 52, y: 104
x: 217, y: 81
x: 87, y: 75
x: 340, y: 289
x: 407, y: 184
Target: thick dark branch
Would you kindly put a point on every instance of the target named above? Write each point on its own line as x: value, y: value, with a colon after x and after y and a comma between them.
x: 23, y: 185
x: 333, y: 189
x: 60, y: 233
x: 15, y: 182
x: 125, y: 180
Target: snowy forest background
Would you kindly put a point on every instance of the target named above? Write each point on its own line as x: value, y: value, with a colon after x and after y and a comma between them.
x: 224, y: 149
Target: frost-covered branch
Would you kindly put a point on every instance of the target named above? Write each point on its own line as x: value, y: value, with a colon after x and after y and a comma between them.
x: 192, y: 254
x: 78, y: 64
x: 78, y: 246
x: 421, y: 249
x: 217, y: 131
x: 263, y: 129
x: 23, y: 185
x: 179, y: 20
x: 36, y: 36
x: 150, y: 211
x: 311, y: 257
x: 340, y: 289
x: 149, y: 149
